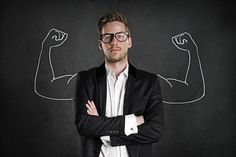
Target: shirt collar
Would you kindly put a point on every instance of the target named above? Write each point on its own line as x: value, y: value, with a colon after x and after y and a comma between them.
x: 124, y: 72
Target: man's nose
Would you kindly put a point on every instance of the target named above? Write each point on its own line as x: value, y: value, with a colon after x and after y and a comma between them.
x: 114, y: 40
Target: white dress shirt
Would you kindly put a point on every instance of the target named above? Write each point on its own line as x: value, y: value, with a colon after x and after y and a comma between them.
x: 114, y: 107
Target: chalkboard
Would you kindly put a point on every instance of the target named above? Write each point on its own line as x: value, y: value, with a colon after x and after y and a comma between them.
x: 45, y: 43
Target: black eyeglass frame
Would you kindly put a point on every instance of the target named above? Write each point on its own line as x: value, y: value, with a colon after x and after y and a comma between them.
x: 112, y: 36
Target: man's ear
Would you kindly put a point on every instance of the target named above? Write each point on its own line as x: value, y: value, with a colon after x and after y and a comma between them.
x: 130, y: 42
x: 100, y: 45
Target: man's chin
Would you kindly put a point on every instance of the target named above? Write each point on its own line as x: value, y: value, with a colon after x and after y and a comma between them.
x: 114, y: 59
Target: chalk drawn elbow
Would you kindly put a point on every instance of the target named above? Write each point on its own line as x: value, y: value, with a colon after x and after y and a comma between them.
x: 188, y: 94
x: 50, y: 97
x: 194, y: 98
x: 43, y: 94
x: 184, y: 102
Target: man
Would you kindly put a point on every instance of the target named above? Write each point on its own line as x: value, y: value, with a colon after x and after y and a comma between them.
x: 119, y: 110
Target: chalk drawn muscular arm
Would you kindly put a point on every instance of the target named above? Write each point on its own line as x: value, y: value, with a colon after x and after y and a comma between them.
x: 192, y: 87
x: 46, y: 82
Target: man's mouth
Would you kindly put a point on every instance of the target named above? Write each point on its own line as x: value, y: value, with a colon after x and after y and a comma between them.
x: 115, y: 49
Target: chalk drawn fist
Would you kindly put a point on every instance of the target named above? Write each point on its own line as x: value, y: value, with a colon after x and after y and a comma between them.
x: 55, y: 38
x: 184, y: 42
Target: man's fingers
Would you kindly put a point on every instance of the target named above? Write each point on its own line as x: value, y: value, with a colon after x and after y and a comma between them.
x: 88, y: 112
x: 93, y: 106
x: 89, y: 107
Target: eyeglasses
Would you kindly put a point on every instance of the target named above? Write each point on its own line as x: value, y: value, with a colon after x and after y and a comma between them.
x: 108, y: 37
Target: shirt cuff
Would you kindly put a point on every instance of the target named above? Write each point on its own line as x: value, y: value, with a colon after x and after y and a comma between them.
x: 130, y: 125
x: 106, y: 140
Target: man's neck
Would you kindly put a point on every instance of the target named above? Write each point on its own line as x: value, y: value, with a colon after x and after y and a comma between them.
x: 117, y: 67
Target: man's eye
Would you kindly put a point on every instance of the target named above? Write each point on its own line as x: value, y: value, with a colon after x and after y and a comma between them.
x: 119, y: 36
x: 107, y: 37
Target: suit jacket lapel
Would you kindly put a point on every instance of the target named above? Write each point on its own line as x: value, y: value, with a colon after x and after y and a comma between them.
x: 129, y: 89
x: 102, y: 89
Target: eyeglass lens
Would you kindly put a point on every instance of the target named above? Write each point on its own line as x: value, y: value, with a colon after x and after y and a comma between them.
x: 120, y: 36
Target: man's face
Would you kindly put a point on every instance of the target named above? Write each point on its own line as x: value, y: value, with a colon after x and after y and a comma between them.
x: 115, y: 51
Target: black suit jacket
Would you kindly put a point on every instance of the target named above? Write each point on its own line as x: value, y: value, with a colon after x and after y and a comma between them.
x: 142, y: 97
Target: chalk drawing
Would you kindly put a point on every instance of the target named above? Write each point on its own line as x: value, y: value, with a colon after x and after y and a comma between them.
x: 178, y: 41
x: 59, y: 37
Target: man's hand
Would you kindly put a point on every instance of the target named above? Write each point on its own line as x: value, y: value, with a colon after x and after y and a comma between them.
x: 91, y: 108
x: 140, y: 120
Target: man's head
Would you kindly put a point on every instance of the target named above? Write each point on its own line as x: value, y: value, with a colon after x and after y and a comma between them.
x: 114, y: 36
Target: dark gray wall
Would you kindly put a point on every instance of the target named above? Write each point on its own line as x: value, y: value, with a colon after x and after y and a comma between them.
x: 33, y: 126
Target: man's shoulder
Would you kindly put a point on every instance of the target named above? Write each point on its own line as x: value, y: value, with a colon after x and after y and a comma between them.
x: 143, y: 74
x: 146, y: 78
x: 87, y: 76
x: 88, y: 72
x: 92, y: 72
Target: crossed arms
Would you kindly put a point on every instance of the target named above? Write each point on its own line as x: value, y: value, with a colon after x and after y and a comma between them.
x: 89, y: 121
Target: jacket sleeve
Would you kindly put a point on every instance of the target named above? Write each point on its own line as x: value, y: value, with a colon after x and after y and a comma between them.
x: 89, y: 125
x: 151, y: 130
